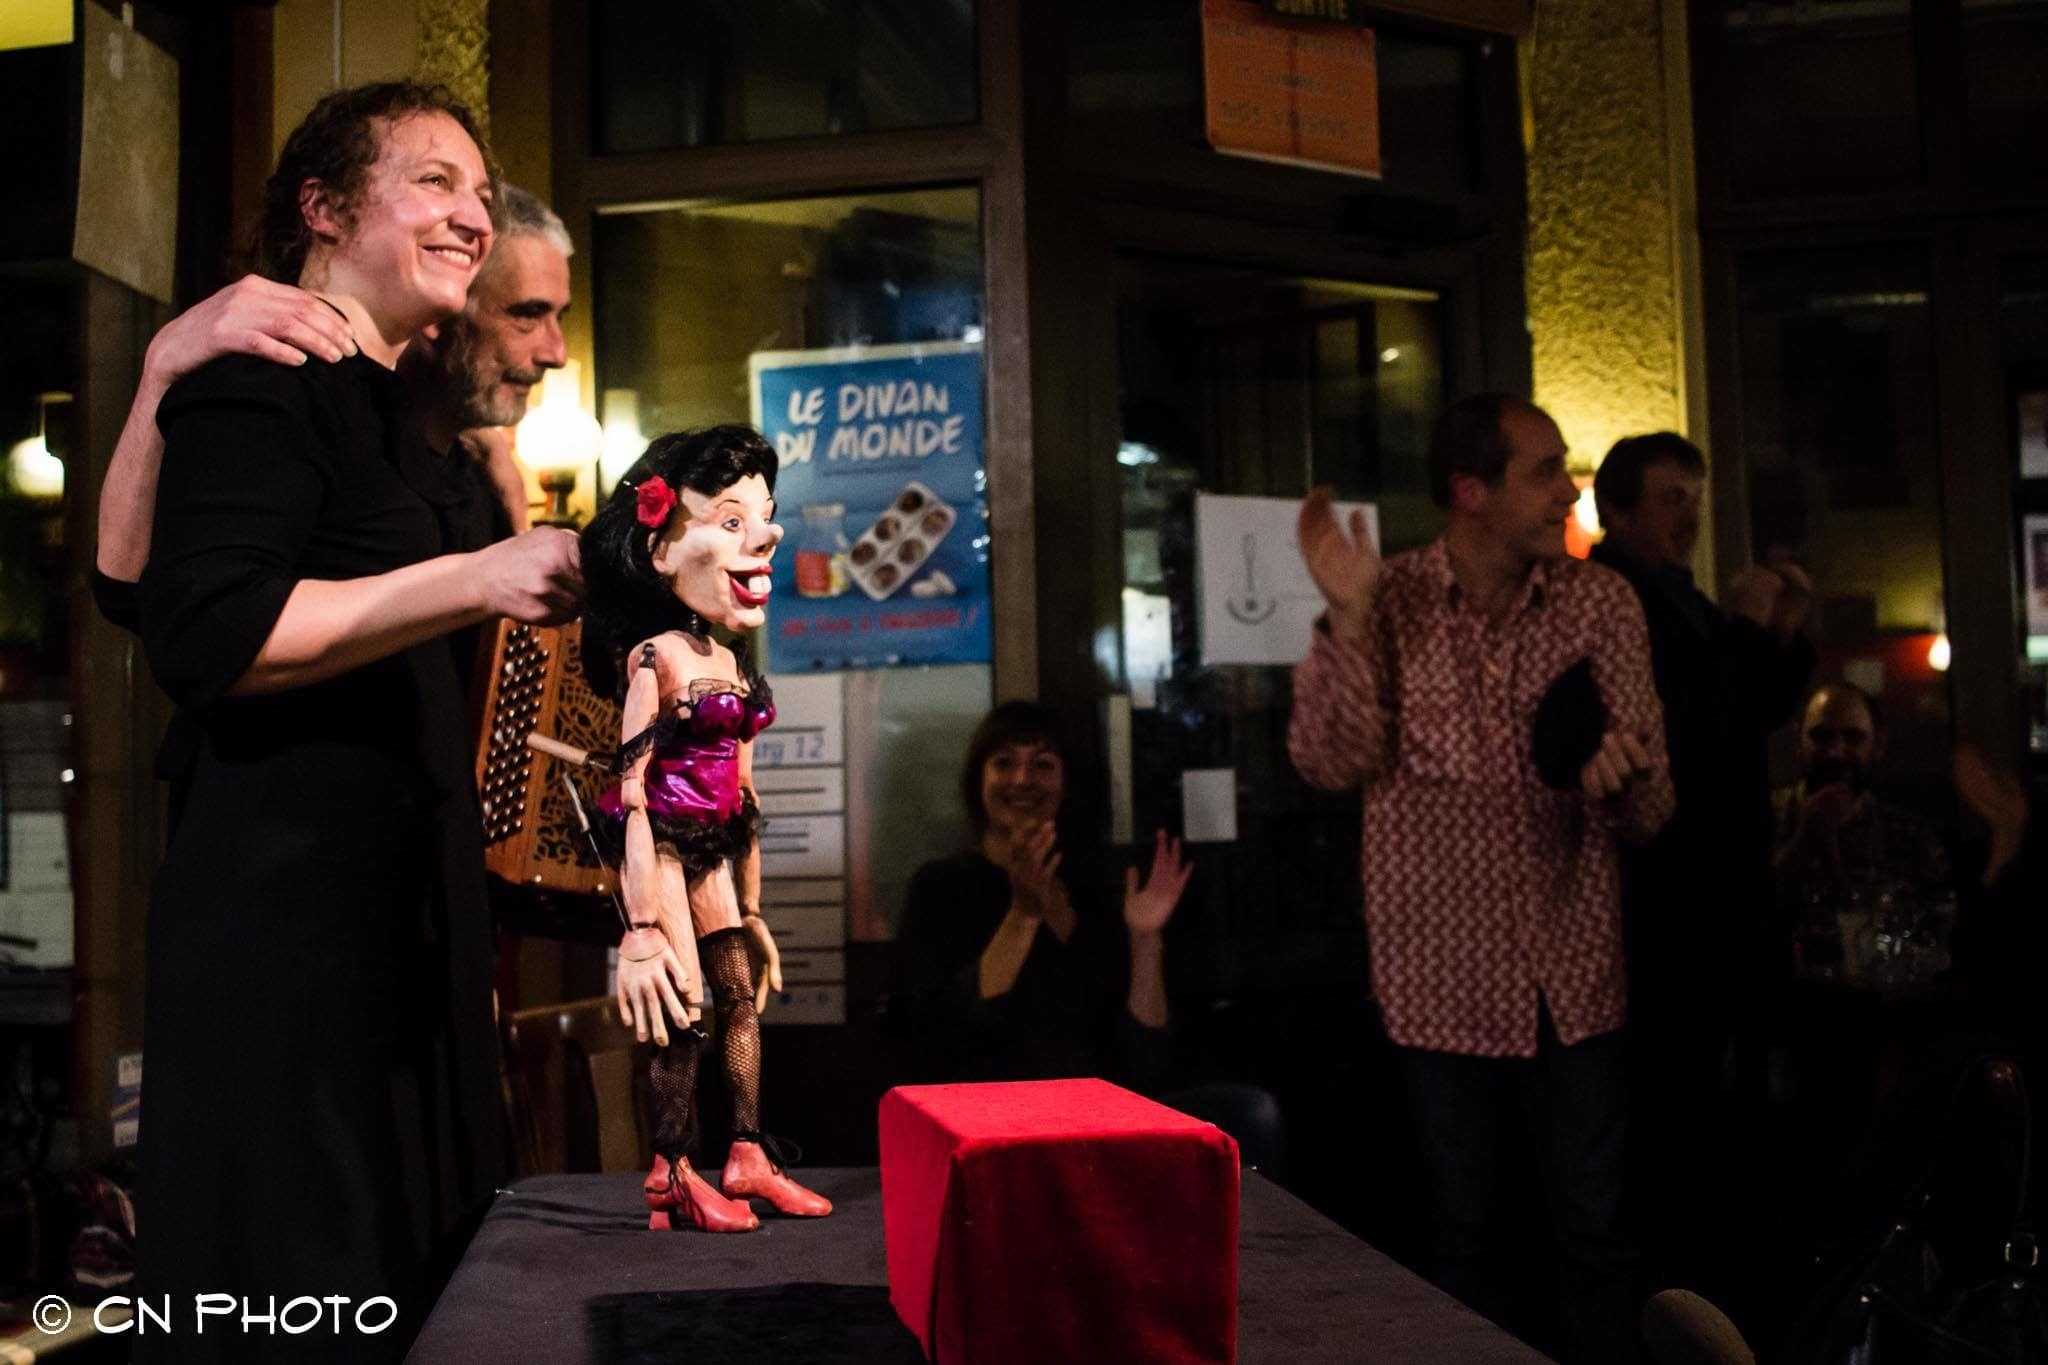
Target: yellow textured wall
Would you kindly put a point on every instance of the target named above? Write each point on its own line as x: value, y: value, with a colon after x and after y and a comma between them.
x: 1611, y: 264
x: 379, y: 41
x: 455, y: 51
x: 445, y: 41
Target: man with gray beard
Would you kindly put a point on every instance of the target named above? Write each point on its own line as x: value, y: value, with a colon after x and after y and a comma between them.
x: 472, y: 375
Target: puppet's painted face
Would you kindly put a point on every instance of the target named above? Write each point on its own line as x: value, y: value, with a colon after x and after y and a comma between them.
x: 715, y: 551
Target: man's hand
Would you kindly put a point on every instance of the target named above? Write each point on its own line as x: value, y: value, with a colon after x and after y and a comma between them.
x: 2000, y: 798
x: 1621, y: 760
x: 252, y: 316
x: 1033, y: 861
x: 1828, y: 808
x: 1345, y: 569
x: 536, y: 577
x: 1755, y: 593
x: 1795, y: 602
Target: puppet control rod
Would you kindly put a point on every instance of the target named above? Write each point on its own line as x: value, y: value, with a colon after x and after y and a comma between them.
x: 570, y: 754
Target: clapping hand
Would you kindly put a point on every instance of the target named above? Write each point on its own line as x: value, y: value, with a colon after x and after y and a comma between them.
x: 1776, y: 598
x: 1033, y: 862
x: 1621, y: 760
x: 1346, y: 569
x: 1795, y: 601
x: 1753, y: 595
x: 1147, y: 908
x: 2000, y: 798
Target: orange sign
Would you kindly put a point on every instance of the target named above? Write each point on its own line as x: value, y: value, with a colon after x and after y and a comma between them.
x: 1286, y: 90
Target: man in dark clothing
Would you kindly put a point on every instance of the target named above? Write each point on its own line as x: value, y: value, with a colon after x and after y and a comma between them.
x: 1696, y: 899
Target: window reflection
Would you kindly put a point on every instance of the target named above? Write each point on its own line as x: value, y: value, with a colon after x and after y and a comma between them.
x: 2004, y: 45
x: 1821, y: 96
x: 687, y: 296
x: 1839, y: 437
x: 1238, y: 381
x: 694, y: 73
x: 2023, y: 338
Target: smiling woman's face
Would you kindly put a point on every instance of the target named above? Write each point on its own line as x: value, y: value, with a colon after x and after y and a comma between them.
x: 715, y: 553
x: 422, y: 227
x: 1021, y: 785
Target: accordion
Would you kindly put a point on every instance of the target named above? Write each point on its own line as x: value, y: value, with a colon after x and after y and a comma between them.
x: 532, y: 684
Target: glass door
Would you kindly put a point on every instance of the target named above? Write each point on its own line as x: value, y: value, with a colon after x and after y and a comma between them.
x: 2023, y: 349
x: 1841, y: 445
x: 1254, y: 382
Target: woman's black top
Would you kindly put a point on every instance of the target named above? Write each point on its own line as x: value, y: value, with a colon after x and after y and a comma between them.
x: 1067, y: 1015
x: 322, y: 1114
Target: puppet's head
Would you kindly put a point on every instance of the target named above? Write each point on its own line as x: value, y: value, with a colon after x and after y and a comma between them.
x: 683, y: 543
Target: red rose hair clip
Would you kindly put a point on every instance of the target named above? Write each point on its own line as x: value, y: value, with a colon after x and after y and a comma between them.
x: 654, y: 500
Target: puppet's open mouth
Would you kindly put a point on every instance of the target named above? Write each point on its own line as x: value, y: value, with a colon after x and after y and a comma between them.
x: 749, y: 589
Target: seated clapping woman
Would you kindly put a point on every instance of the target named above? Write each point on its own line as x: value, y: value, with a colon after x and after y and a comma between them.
x: 1001, y: 974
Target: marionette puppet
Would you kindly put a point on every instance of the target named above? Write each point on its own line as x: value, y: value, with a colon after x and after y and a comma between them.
x: 683, y: 545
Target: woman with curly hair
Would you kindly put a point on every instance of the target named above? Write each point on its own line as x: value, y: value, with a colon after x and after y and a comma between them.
x: 682, y: 546
x: 324, y: 1114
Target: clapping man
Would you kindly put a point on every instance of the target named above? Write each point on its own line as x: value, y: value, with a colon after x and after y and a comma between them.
x: 1492, y: 896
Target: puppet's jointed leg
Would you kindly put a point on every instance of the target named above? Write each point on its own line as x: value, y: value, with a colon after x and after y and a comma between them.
x: 672, y: 1186
x: 729, y: 983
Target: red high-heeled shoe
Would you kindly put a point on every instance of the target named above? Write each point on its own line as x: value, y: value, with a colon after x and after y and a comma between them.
x: 669, y: 1189
x: 749, y: 1171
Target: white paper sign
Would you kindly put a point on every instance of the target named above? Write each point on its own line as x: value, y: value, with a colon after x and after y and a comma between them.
x: 800, y: 791
x: 1258, y: 602
x: 810, y: 722
x: 809, y: 1003
x: 2034, y: 531
x: 800, y: 775
x: 1208, y: 805
x: 35, y: 900
x: 802, y: 966
x: 813, y: 928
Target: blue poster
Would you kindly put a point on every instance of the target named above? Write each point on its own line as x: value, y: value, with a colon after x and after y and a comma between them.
x: 884, y: 559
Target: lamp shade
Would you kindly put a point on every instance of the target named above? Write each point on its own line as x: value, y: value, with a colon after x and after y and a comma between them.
x: 558, y: 433
x: 34, y: 471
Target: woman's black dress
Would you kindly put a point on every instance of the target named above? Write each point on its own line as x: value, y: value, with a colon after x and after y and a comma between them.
x: 321, y: 1115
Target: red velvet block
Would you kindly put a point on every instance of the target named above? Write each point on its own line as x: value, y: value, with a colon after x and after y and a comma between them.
x: 1065, y: 1221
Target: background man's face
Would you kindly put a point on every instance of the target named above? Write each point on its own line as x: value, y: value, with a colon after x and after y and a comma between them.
x: 1839, y: 740
x: 1664, y: 525
x: 1526, y: 510
x: 510, y: 333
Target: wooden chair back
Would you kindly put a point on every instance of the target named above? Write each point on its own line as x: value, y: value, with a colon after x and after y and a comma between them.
x: 575, y: 1092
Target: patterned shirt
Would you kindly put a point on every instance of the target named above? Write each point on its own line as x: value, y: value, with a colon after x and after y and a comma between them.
x: 1485, y: 891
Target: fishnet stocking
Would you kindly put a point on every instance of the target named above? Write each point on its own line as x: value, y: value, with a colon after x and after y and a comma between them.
x: 672, y: 1076
x: 729, y: 980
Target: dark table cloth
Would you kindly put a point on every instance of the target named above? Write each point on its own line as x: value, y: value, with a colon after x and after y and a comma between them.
x: 565, y: 1271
